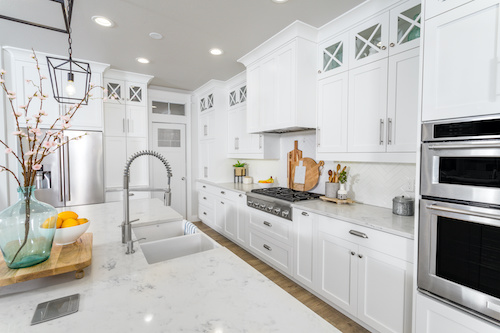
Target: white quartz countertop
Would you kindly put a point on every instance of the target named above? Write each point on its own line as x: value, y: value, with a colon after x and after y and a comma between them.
x: 212, y: 291
x: 370, y: 216
x: 237, y: 187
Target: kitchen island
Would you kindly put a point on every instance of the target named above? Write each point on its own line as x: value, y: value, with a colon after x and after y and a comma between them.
x: 211, y: 291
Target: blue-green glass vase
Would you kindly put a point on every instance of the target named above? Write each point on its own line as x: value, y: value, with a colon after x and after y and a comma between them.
x: 25, y: 240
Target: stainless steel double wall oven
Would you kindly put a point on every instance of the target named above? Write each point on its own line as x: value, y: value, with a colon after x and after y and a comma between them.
x: 459, y: 230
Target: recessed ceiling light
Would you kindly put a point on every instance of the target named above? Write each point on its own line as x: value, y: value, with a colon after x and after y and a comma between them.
x: 216, y: 51
x: 104, y: 21
x: 155, y: 35
x: 279, y: 1
x: 142, y: 60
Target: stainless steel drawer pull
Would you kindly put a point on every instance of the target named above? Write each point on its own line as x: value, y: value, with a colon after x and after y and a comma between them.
x: 358, y: 233
x: 268, y: 224
x: 305, y: 214
x: 267, y: 247
x: 463, y: 212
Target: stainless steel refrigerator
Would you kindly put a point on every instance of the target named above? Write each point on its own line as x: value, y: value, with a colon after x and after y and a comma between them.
x: 74, y: 175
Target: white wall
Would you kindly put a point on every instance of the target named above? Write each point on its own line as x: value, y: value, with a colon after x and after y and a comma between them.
x: 369, y: 183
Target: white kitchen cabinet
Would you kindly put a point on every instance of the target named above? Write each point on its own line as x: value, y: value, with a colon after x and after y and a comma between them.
x: 461, y: 62
x: 280, y: 81
x: 387, y: 34
x: 383, y: 105
x: 126, y: 92
x: 332, y: 113
x: 367, y: 107
x: 333, y: 56
x: 207, y: 126
x: 205, y: 165
x: 433, y: 316
x: 369, y: 41
x: 207, y: 102
x: 244, y: 145
x: 436, y: 7
x: 367, y: 273
x: 402, y: 102
x: 304, y: 228
x: 125, y: 128
x: 226, y: 216
x: 237, y: 96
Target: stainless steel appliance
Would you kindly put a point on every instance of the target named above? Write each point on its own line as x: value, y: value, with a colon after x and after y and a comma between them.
x: 459, y: 227
x: 277, y: 200
x: 74, y: 175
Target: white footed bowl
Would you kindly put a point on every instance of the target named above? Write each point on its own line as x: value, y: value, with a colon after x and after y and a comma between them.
x: 69, y: 235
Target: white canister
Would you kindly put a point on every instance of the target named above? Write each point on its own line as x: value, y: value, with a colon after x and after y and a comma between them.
x: 342, y: 193
x: 247, y: 180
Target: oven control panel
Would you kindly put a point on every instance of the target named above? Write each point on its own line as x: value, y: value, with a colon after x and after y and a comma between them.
x: 279, y: 209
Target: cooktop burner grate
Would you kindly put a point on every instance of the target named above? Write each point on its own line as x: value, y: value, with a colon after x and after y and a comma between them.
x: 287, y: 194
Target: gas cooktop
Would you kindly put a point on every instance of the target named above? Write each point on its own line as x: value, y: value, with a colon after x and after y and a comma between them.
x: 287, y: 194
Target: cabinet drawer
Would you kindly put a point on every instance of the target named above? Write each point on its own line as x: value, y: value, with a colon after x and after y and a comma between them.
x: 269, y: 225
x: 206, y: 215
x: 390, y: 244
x: 206, y: 199
x: 277, y: 254
x: 205, y: 187
x: 227, y: 194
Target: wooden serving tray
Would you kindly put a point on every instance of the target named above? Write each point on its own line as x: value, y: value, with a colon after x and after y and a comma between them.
x: 63, y: 259
x: 338, y: 201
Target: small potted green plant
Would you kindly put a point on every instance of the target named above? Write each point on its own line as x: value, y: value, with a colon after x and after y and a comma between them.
x: 240, y: 171
x: 342, y: 193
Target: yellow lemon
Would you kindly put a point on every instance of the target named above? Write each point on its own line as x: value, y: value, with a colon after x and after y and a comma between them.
x: 49, y: 223
x: 82, y: 220
x: 69, y: 223
x: 68, y: 215
x: 59, y: 222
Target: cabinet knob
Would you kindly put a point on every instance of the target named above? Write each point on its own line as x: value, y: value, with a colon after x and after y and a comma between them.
x: 241, y: 195
x: 360, y: 256
x: 305, y: 214
x: 222, y: 192
x: 319, y: 71
x: 391, y: 45
x: 384, y: 47
x: 353, y: 253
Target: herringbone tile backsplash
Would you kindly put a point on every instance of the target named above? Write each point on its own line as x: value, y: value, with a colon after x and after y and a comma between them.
x: 370, y: 183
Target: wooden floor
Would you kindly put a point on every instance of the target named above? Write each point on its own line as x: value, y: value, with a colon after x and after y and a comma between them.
x: 325, y: 311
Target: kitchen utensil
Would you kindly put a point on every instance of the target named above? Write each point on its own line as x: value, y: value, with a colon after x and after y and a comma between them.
x: 293, y: 158
x: 403, y: 206
x: 330, y: 176
x: 312, y: 174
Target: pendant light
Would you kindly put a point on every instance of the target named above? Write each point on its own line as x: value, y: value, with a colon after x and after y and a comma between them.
x: 70, y: 79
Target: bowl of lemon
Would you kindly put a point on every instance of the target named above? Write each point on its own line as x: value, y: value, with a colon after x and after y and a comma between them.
x: 69, y: 227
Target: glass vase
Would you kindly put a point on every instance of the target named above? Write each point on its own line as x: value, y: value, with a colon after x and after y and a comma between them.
x: 27, y: 230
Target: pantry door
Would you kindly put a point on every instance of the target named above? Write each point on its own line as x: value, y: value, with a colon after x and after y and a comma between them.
x: 170, y: 141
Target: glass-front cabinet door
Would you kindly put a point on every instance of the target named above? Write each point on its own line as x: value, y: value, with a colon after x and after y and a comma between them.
x: 115, y: 91
x: 405, y: 27
x: 237, y: 95
x: 369, y: 41
x: 333, y: 56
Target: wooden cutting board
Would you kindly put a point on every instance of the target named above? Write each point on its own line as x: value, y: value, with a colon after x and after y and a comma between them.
x: 63, y: 259
x: 293, y: 157
x: 313, y: 171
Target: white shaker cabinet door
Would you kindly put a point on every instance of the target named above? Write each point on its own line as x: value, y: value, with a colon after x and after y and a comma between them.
x: 137, y: 121
x: 115, y: 149
x: 367, y: 107
x: 461, y: 74
x: 384, y: 289
x: 337, y: 271
x: 114, y: 119
x: 402, y: 108
x: 139, y: 170
x: 332, y: 113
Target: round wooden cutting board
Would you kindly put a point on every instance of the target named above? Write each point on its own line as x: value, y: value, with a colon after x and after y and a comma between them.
x: 313, y: 170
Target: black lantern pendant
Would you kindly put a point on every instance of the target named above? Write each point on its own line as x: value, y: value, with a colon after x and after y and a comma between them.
x: 70, y: 79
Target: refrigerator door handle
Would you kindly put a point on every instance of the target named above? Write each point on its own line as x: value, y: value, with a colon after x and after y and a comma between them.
x: 68, y: 168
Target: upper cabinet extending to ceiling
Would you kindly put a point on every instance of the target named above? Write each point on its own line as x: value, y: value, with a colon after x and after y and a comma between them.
x: 461, y: 72
x: 281, y: 81
x: 368, y: 87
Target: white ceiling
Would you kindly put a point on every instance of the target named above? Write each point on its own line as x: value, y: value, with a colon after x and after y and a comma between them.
x: 190, y: 28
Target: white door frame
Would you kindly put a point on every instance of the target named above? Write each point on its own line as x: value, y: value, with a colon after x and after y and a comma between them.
x: 166, y: 95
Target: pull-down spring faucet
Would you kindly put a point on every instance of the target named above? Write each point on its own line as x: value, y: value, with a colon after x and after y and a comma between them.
x: 127, y: 225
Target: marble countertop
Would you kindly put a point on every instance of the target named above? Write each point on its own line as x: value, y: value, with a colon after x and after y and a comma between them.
x: 237, y: 187
x: 370, y: 216
x: 212, y: 291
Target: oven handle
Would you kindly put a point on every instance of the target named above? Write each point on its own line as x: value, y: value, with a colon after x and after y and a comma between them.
x: 463, y: 212
x: 482, y: 144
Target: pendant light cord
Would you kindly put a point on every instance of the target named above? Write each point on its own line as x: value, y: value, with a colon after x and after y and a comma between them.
x: 70, y: 50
